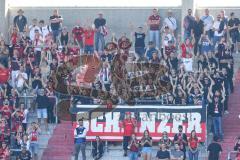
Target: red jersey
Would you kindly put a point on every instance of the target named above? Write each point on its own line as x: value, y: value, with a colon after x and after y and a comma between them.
x: 7, y: 111
x: 4, y: 75
x: 14, y: 38
x: 193, y: 143
x: 186, y: 50
x: 129, y: 126
x: 34, y: 136
x: 78, y: 33
x: 89, y: 37
x: 154, y: 19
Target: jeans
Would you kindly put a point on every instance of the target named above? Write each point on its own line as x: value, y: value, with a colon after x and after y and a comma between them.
x: 133, y: 155
x: 217, y: 123
x: 196, y: 46
x: 99, y: 37
x: 187, y: 34
x: 193, y: 156
x: 154, y: 36
x: 139, y: 52
x: 55, y: 34
x: 126, y: 139
x: 216, y: 39
x: 81, y: 147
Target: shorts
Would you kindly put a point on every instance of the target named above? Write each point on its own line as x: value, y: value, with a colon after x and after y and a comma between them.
x: 235, y: 37
x: 33, y: 148
x: 147, y: 150
x: 42, y: 113
x: 88, y: 49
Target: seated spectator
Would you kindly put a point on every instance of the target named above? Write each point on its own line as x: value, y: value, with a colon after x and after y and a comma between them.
x: 25, y: 154
x: 165, y: 140
x: 97, y: 151
x: 150, y: 50
x: 163, y: 153
x: 176, y: 153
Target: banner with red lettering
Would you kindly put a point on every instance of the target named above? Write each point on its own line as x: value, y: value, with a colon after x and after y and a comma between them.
x: 106, y: 123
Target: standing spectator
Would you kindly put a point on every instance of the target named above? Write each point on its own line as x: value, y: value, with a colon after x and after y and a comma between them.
x: 64, y: 38
x: 89, y: 41
x: 77, y: 33
x: 56, y: 21
x: 97, y: 151
x: 215, y: 110
x: 233, y: 27
x: 188, y: 24
x: 42, y: 102
x: 177, y: 153
x: 187, y: 48
x: 32, y: 29
x: 214, y: 150
x: 218, y: 28
x: 20, y: 21
x: 146, y: 143
x: 44, y: 29
x: 21, y: 80
x: 171, y: 22
x: 193, y: 146
x: 4, y: 151
x: 150, y: 50
x: 198, y: 29
x: 105, y: 76
x: 139, y: 42
x: 80, y: 133
x: 208, y: 23
x: 163, y: 153
x: 181, y: 139
x: 128, y: 124
x: 38, y: 44
x: 33, y: 133
x: 165, y: 140
x: 154, y: 28
x: 101, y: 31
x: 134, y: 148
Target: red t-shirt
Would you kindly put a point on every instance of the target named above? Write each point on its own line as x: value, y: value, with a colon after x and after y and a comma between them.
x: 77, y: 33
x: 154, y: 18
x: 193, y: 143
x: 4, y: 75
x: 34, y: 136
x: 89, y: 37
x: 186, y: 50
x: 128, y: 125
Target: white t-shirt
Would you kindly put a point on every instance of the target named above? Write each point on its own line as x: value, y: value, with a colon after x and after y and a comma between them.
x: 216, y: 26
x: 188, y: 64
x: 170, y: 22
x: 25, y: 112
x: 166, y: 38
x: 208, y: 22
x: 45, y: 31
x: 32, y: 31
x: 20, y: 81
x: 38, y: 44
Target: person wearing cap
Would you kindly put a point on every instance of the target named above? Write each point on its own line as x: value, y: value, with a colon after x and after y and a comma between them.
x: 20, y: 21
x: 214, y: 150
x: 64, y: 37
x: 181, y: 139
x: 170, y: 21
x: 233, y: 27
x: 56, y: 22
x: 128, y: 124
x: 100, y: 26
x: 24, y: 154
x: 80, y: 133
x: 154, y: 27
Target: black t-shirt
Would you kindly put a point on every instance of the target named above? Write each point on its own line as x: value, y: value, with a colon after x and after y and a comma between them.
x: 25, y: 156
x: 55, y: 26
x: 140, y: 39
x: 163, y: 154
x: 42, y: 101
x: 198, y: 28
x: 214, y: 150
x: 99, y: 22
x: 233, y: 22
x: 147, y: 144
x: 215, y: 109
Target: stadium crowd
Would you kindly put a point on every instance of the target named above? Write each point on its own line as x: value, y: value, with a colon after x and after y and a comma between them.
x: 194, y: 69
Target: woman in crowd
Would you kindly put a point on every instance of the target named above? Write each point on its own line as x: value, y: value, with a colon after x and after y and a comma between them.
x: 193, y: 146
x: 134, y: 146
x: 146, y: 143
x: 97, y: 151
